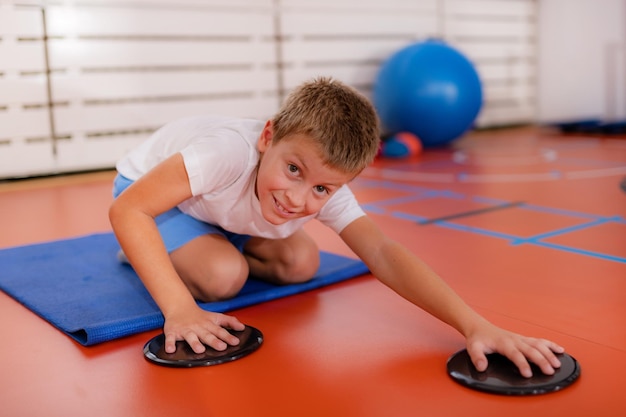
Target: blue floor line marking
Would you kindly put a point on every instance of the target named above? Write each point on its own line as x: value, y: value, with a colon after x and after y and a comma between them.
x: 489, y: 200
x: 442, y: 163
x: 579, y: 251
x: 410, y: 217
x: 427, y: 195
x: 562, y: 212
x: 373, y: 209
x: 406, y: 199
x: 391, y: 185
x: 582, y: 162
x: 558, y: 232
x: 424, y: 193
x: 471, y: 213
x: 405, y: 187
x: 476, y: 230
x: 513, y: 240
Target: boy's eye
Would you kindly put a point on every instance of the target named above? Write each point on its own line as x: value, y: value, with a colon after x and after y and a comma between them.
x: 292, y: 168
x: 320, y: 189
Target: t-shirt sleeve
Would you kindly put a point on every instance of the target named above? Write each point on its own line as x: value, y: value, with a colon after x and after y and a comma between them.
x: 215, y: 162
x: 341, y: 210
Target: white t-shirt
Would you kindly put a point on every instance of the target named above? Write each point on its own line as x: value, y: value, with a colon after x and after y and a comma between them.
x: 221, y: 159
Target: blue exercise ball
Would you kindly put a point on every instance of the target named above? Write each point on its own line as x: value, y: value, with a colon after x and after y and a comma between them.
x: 429, y: 89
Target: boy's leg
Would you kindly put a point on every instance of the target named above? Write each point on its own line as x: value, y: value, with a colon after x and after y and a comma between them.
x: 211, y: 267
x: 283, y: 261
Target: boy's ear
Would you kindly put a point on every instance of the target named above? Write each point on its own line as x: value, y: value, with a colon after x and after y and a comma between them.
x: 265, y: 140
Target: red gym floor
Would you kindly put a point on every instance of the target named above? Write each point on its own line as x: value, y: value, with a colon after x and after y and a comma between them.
x: 528, y: 226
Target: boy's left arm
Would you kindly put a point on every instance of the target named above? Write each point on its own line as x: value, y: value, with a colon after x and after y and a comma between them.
x: 395, y: 266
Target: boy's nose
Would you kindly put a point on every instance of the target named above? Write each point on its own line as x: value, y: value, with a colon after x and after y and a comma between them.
x: 296, y: 196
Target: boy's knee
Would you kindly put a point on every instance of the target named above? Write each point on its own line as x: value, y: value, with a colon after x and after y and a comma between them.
x: 223, y: 291
x: 297, y: 266
x: 220, y: 280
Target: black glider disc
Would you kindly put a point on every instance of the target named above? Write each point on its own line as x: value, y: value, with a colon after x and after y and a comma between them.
x: 503, y: 377
x: 250, y: 339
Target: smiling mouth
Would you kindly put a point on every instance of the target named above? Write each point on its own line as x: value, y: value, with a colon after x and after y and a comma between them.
x: 281, y: 209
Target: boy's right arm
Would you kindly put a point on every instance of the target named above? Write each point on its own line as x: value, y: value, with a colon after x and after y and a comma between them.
x: 397, y: 267
x: 132, y: 217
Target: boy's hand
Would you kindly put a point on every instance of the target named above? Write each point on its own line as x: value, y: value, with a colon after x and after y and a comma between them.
x: 199, y: 328
x: 519, y: 349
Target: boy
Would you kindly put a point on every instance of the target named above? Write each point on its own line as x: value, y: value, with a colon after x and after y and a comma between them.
x: 209, y: 201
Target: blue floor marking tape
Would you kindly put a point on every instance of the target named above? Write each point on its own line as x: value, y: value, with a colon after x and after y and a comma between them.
x: 558, y: 232
x: 425, y: 194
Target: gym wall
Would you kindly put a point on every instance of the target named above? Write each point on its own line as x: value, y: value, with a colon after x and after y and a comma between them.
x: 81, y: 82
x: 582, y: 60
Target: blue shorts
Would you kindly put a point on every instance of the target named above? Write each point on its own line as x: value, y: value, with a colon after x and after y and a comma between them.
x: 178, y: 228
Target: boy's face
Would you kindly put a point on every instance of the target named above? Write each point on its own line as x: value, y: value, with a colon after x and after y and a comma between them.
x: 292, y: 180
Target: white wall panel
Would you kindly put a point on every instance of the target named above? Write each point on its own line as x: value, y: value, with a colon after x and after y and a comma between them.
x: 119, y: 72
x: 25, y: 137
x: 88, y: 54
x: 582, y: 60
x: 118, y: 21
x: 348, y: 39
x: 21, y: 55
x: 109, y: 118
x: 496, y: 9
x: 102, y: 86
x: 121, y: 68
x: 20, y: 21
x: 500, y: 38
x: 339, y: 50
x: 350, y: 42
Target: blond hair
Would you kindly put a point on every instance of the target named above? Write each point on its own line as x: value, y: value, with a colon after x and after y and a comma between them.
x: 338, y: 118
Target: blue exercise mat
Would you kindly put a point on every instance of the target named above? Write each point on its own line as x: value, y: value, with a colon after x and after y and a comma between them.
x: 79, y: 287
